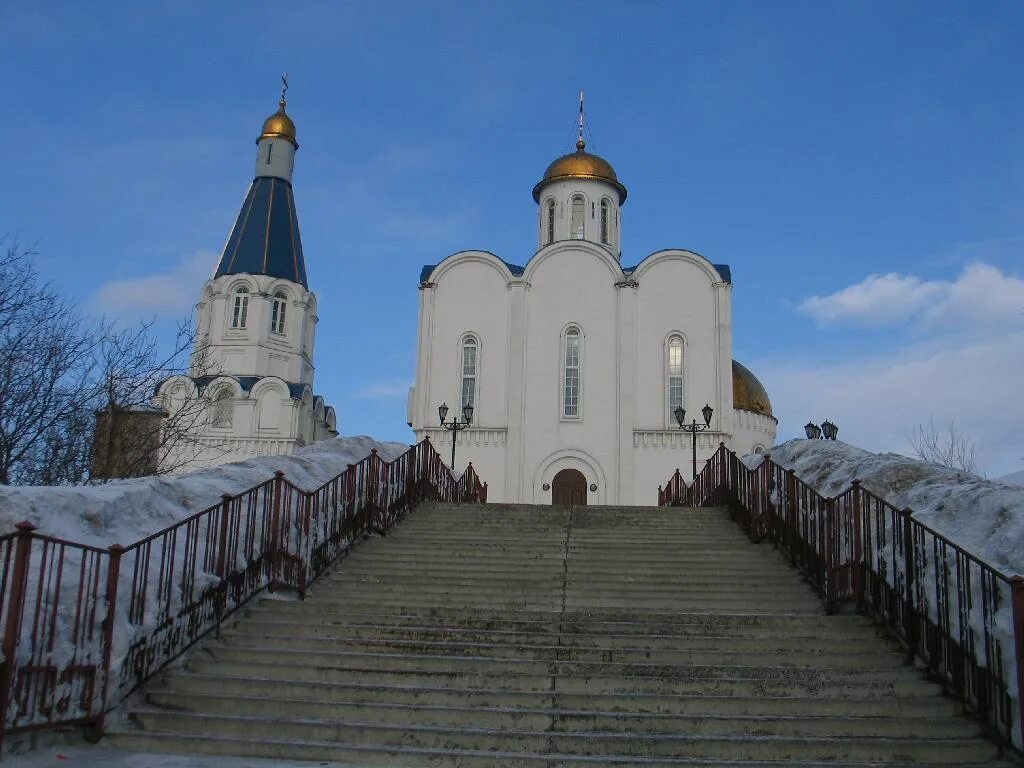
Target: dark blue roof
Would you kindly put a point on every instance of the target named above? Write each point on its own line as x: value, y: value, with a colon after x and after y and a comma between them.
x: 265, y: 239
x: 516, y: 270
x: 428, y: 269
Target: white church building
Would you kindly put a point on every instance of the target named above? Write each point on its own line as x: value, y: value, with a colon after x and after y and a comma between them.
x: 575, y: 363
x: 253, y: 359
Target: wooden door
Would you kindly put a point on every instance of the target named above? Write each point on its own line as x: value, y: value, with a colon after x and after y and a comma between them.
x: 569, y: 488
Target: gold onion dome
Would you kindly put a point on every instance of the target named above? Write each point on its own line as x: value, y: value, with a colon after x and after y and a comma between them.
x: 748, y: 394
x: 580, y: 165
x: 279, y: 126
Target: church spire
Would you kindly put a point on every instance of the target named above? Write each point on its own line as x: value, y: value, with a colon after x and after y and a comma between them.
x: 265, y: 239
x: 580, y: 143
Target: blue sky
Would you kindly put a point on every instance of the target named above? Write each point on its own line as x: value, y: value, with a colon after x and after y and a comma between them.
x: 858, y: 165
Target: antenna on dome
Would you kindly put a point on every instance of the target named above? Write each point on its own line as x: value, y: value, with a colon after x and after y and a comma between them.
x: 284, y: 88
x: 580, y: 143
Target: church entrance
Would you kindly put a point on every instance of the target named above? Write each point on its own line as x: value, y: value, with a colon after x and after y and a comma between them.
x: 569, y: 488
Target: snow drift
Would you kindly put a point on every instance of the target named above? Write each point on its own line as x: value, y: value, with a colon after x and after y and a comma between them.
x: 125, y: 511
x: 984, y: 517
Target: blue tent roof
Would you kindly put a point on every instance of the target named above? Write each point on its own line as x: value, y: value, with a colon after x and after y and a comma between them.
x: 265, y: 239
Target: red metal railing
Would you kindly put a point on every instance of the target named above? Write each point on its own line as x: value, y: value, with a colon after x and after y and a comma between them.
x: 82, y: 627
x: 960, y: 615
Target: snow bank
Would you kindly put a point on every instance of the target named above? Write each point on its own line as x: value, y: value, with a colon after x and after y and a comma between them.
x: 984, y: 517
x: 124, y: 511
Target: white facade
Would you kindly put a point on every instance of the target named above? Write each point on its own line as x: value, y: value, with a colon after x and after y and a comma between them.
x: 571, y: 360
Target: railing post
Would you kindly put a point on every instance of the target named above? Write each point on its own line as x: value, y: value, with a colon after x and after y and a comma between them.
x: 113, y: 573
x: 910, y: 623
x: 15, y: 605
x: 857, y: 555
x: 222, y: 556
x: 791, y: 506
x: 1017, y: 596
x: 275, y: 530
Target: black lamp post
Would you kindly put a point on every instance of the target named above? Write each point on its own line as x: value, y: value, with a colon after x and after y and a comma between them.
x: 694, y: 427
x: 455, y: 426
x: 827, y: 430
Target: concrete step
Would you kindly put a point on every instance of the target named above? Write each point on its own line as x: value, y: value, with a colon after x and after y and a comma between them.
x: 558, y: 719
x: 357, y: 633
x: 273, y: 750
x: 750, y: 745
x: 802, y: 657
x: 186, y: 683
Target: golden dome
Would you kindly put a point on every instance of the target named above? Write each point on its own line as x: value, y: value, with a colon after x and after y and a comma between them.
x: 748, y: 394
x: 279, y: 126
x: 580, y: 165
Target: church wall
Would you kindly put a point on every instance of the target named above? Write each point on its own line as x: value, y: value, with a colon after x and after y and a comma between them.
x: 676, y: 296
x: 571, y: 286
x: 469, y: 295
x: 753, y: 432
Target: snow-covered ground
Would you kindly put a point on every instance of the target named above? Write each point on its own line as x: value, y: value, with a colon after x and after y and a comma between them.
x: 1014, y: 478
x: 984, y: 517
x: 125, y: 511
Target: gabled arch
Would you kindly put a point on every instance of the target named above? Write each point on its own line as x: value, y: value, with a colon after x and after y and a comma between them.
x: 465, y: 257
x: 675, y: 254
x: 600, y: 252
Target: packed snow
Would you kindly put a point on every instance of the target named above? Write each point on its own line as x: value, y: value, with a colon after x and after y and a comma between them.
x: 1014, y: 478
x: 984, y: 517
x: 125, y: 511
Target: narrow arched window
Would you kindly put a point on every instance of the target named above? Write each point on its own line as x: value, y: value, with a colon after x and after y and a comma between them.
x: 550, y: 222
x: 469, y: 371
x: 571, y: 375
x: 674, y: 369
x: 222, y: 409
x: 277, y: 312
x: 240, y: 308
x: 576, y: 222
x: 605, y: 222
x: 270, y: 149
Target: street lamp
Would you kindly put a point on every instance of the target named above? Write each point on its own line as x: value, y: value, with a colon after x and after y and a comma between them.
x: 455, y: 426
x: 694, y: 427
x: 827, y: 430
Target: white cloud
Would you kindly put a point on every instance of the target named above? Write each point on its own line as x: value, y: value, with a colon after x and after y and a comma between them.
x: 174, y: 291
x: 980, y: 296
x: 965, y: 365
x: 879, y: 401
x: 385, y: 389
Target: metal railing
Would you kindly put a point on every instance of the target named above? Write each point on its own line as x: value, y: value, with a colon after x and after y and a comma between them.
x: 961, y: 616
x: 82, y: 626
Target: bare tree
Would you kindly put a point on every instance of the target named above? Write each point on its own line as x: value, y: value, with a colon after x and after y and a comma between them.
x: 137, y: 432
x: 77, y: 395
x: 46, y: 364
x: 952, y: 449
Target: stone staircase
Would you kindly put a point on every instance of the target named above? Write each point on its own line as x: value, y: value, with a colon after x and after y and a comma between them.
x: 540, y: 636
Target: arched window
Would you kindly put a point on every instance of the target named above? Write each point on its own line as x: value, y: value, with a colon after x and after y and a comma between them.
x: 469, y: 371
x: 605, y: 221
x: 674, y: 382
x: 270, y: 149
x: 240, y: 308
x: 550, y: 222
x: 222, y: 408
x: 277, y: 311
x: 576, y: 223
x: 571, y: 374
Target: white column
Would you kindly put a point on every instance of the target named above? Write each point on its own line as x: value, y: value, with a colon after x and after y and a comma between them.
x: 626, y: 390
x: 514, y: 480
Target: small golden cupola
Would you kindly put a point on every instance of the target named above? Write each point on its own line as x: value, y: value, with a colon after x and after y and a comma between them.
x: 279, y: 125
x: 580, y: 165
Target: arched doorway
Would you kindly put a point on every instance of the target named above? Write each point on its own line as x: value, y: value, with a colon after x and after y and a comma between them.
x: 569, y: 488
